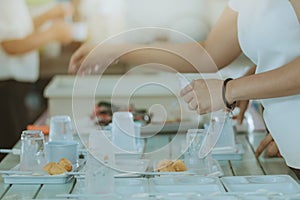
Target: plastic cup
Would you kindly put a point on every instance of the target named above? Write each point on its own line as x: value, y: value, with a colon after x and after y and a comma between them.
x: 194, y: 140
x: 32, y: 157
x: 61, y: 128
x: 56, y: 150
x: 123, y: 131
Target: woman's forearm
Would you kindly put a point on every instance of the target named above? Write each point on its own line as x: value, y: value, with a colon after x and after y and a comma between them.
x: 283, y: 81
x: 219, y: 49
x: 40, y: 20
x: 185, y: 58
x: 57, y: 12
x: 30, y: 43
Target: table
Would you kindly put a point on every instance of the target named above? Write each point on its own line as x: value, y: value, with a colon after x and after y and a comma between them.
x: 249, y: 165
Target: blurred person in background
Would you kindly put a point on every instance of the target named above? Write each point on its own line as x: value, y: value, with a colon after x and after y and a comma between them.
x: 20, y: 39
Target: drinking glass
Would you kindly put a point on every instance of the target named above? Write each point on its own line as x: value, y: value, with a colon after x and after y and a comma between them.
x: 60, y: 128
x: 100, y: 159
x: 194, y: 140
x: 123, y: 131
x: 32, y: 156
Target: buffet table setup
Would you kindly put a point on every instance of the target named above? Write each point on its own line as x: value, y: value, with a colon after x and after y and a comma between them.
x: 91, y: 151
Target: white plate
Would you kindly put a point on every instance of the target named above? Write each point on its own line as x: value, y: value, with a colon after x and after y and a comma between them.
x: 267, y: 184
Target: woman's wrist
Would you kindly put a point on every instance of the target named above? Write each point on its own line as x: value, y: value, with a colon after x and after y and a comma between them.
x: 229, y: 97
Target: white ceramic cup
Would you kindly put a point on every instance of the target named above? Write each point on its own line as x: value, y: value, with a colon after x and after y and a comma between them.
x: 57, y: 150
x: 61, y: 128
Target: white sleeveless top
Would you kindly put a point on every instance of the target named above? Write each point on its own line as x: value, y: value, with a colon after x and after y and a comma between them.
x: 16, y: 23
x: 269, y: 34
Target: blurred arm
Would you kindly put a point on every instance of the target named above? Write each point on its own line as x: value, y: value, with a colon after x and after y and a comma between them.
x: 57, y: 12
x: 59, y: 31
x: 221, y: 47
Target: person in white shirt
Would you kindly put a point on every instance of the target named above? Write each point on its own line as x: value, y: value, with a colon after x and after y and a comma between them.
x: 268, y: 33
x: 20, y: 39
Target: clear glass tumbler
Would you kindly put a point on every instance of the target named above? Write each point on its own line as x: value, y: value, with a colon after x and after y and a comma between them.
x: 100, y: 160
x: 194, y: 140
x: 32, y: 156
x: 123, y: 131
x: 61, y: 128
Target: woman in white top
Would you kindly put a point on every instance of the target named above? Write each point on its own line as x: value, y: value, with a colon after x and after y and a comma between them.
x: 268, y: 32
x: 20, y: 39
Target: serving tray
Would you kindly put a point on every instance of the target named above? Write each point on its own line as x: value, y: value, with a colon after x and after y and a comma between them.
x: 267, y: 184
x: 15, y: 176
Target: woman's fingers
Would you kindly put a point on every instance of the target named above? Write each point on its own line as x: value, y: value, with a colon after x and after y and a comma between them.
x: 187, y: 89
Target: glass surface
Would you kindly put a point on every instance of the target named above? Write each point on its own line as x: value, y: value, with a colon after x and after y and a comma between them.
x: 32, y: 156
x: 194, y: 140
x: 60, y: 128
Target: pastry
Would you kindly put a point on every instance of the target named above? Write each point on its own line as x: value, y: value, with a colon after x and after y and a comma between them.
x: 179, y: 166
x: 170, y: 166
x: 53, y: 168
x: 165, y: 166
x: 65, y: 163
x: 48, y: 166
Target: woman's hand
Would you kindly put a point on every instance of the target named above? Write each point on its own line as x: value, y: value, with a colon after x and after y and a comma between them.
x: 78, y: 57
x: 243, y: 105
x: 90, y: 58
x: 61, y: 32
x: 269, y: 145
x: 204, y: 95
x: 59, y: 11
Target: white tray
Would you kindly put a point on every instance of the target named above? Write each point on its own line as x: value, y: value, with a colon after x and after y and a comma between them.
x: 229, y: 155
x: 130, y: 186
x: 186, y: 184
x: 15, y: 176
x: 267, y: 184
x: 37, y: 179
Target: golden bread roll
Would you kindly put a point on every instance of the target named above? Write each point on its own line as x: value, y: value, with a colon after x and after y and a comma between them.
x: 170, y: 166
x: 53, y: 168
x: 65, y: 163
x: 48, y: 166
x: 165, y: 166
x: 179, y: 166
x: 57, y: 169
